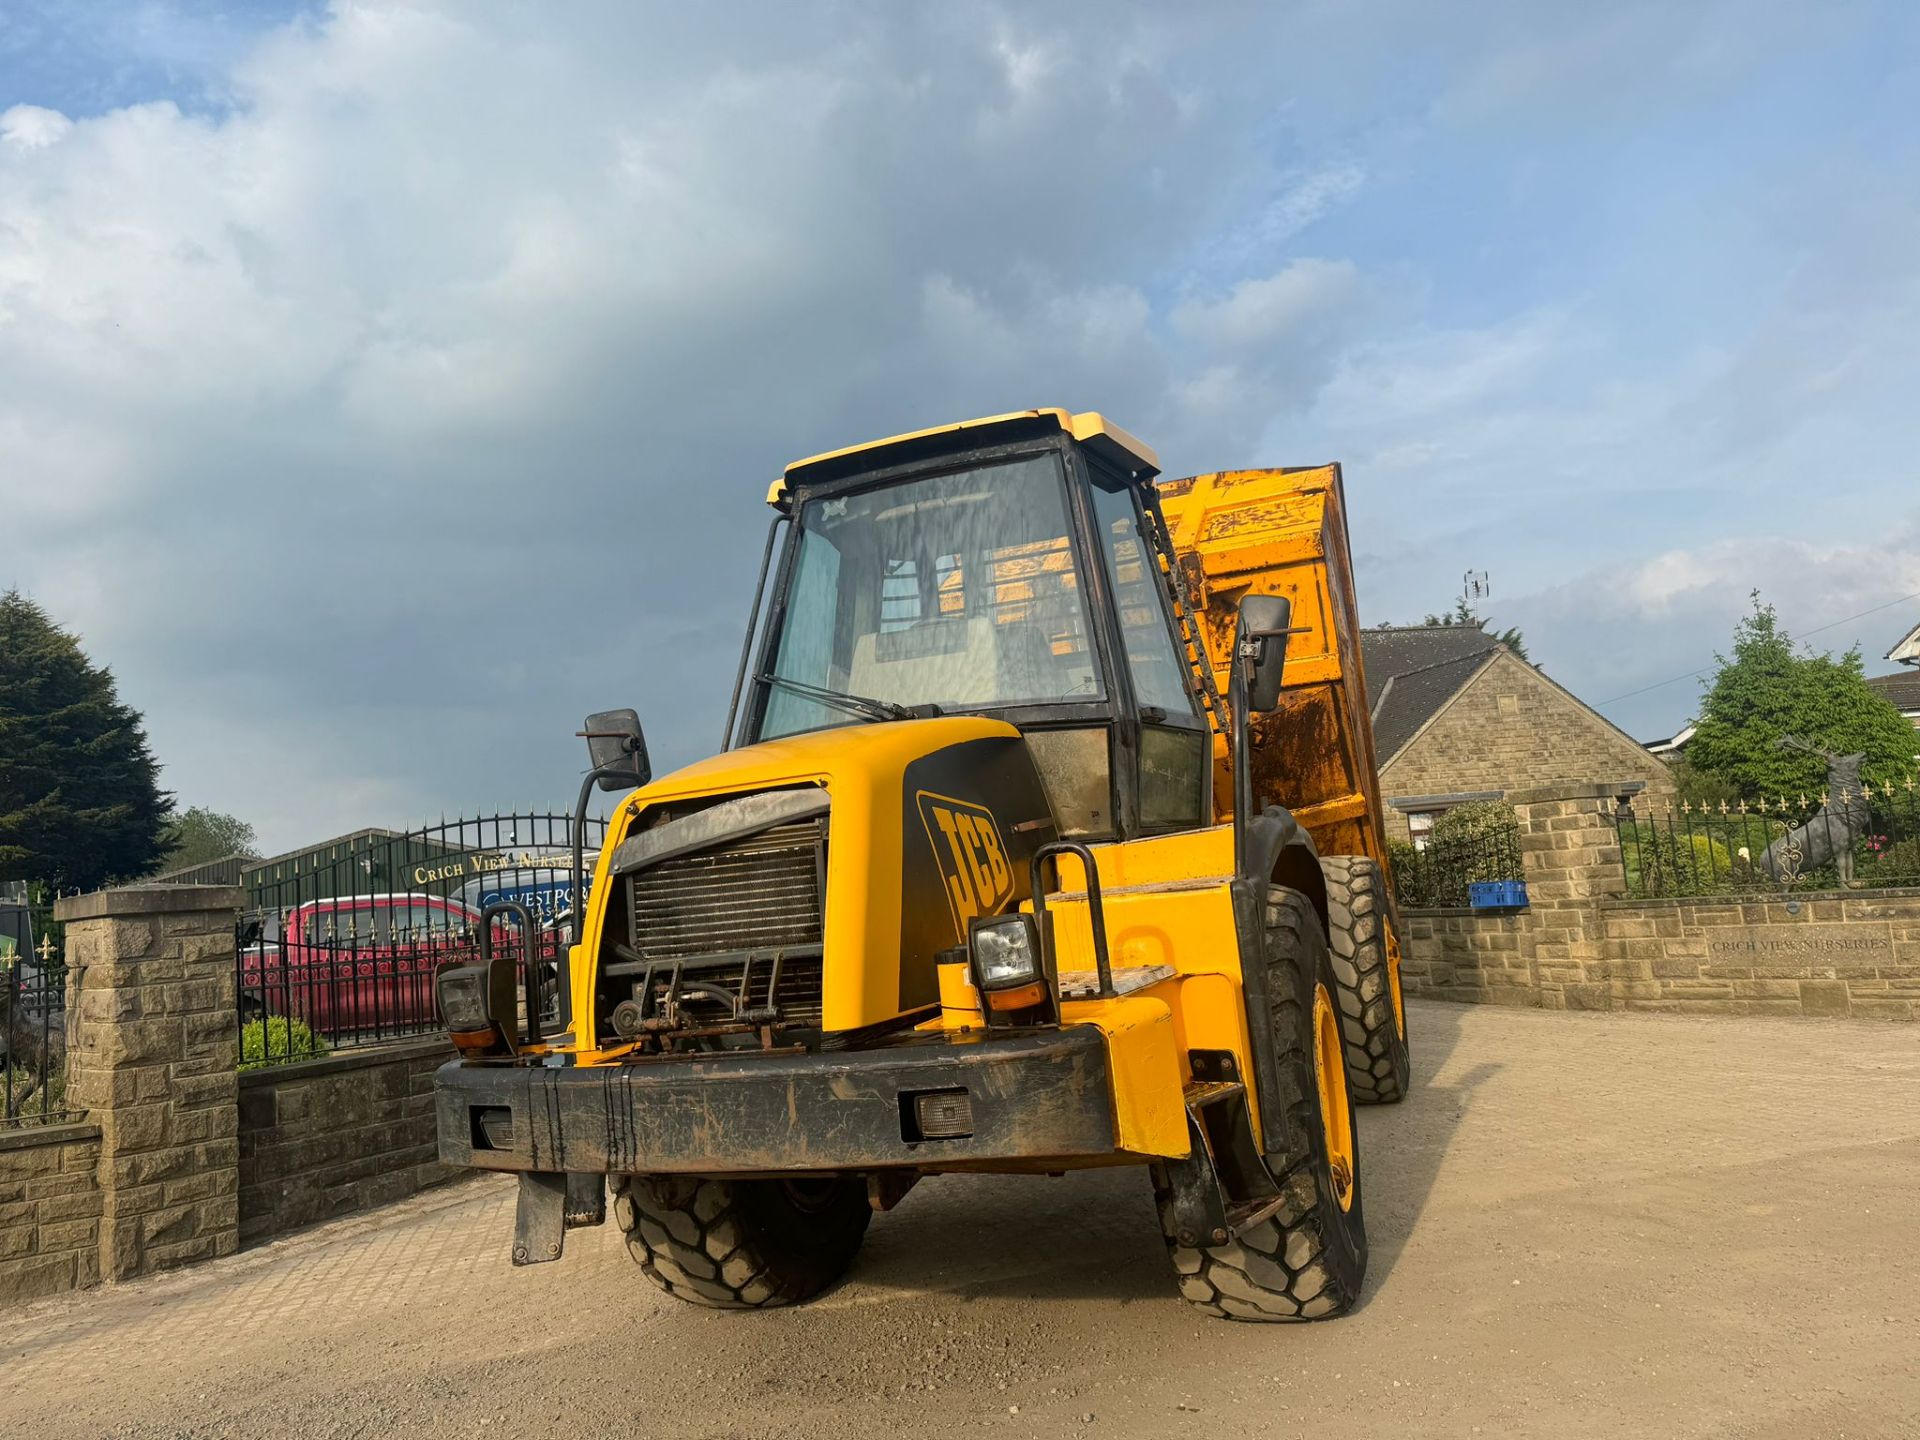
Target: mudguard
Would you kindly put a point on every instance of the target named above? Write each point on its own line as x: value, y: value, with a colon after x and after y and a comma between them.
x: 1278, y: 851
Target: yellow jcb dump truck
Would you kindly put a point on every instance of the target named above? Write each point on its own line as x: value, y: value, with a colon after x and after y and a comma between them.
x: 1045, y: 835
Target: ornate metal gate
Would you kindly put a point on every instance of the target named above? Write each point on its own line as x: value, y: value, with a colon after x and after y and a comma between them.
x: 341, y: 951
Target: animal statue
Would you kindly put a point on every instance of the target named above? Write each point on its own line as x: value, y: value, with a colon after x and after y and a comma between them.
x: 33, y: 1048
x: 33, y: 1037
x: 1830, y: 832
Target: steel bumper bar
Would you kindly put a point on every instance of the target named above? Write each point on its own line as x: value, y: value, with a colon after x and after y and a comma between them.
x: 1033, y: 1095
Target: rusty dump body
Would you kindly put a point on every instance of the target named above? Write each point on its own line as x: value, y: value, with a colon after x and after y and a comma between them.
x: 1284, y: 532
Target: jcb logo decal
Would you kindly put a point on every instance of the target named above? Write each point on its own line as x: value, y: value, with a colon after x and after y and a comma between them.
x: 973, y: 860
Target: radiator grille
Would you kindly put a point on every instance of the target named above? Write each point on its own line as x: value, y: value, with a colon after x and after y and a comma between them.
x: 798, y: 1000
x: 761, y: 893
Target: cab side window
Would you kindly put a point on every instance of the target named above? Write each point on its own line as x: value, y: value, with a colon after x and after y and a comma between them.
x: 1175, y: 744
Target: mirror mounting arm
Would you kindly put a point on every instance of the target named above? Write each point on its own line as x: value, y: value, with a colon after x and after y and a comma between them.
x: 1259, y: 658
x: 578, y: 919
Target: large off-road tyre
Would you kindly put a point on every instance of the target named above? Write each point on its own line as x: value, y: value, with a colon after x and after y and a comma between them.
x: 1307, y: 1260
x: 742, y: 1244
x: 1373, y: 1015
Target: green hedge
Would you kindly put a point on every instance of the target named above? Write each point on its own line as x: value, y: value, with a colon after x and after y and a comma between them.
x: 1478, y: 820
x: 1474, y: 842
x: 1664, y: 863
x: 277, y: 1039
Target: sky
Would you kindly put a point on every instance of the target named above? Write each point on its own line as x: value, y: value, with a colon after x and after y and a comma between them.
x: 385, y: 386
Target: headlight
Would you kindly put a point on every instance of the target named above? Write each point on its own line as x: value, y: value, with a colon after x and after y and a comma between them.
x: 1006, y: 961
x: 462, y: 993
x: 1006, y: 951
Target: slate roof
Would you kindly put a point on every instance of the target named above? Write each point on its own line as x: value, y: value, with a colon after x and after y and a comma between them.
x: 1902, y: 690
x: 1414, y: 670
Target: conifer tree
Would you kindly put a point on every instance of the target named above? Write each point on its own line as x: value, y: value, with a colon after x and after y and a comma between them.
x: 80, y: 799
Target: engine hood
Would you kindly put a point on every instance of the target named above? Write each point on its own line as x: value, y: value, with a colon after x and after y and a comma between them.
x: 844, y: 753
x: 929, y: 823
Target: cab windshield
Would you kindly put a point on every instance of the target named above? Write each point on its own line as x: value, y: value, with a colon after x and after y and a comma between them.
x: 957, y: 591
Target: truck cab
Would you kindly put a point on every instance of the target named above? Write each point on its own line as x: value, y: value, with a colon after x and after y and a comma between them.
x: 1011, y: 579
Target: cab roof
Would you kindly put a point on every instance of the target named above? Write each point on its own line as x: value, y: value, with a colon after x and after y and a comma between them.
x: 1089, y: 428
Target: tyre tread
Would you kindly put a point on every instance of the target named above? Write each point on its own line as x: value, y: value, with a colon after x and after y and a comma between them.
x: 709, y: 1241
x: 1378, y: 1064
x: 1281, y: 1269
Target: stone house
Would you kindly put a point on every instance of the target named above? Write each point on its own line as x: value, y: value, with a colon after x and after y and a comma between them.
x: 1457, y: 716
x: 1902, y: 688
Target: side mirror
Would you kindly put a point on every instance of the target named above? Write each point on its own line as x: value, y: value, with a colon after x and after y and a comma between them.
x: 1260, y: 645
x: 615, y: 744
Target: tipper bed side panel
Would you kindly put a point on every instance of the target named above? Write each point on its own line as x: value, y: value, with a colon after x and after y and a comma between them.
x: 1284, y: 532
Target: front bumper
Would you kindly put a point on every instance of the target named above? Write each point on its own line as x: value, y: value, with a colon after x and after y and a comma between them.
x: 1033, y: 1096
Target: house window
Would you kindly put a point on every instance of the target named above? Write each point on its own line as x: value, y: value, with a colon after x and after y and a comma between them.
x: 1420, y: 826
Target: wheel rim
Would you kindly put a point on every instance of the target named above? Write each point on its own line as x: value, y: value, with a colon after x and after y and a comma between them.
x: 1330, y: 1077
x: 1393, y: 985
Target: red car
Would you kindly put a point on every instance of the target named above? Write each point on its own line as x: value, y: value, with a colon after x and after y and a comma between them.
x: 365, y: 964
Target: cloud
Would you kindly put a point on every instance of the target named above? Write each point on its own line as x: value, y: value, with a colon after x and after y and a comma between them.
x: 32, y: 127
x: 384, y: 389
x: 1817, y: 585
x: 1616, y: 632
x: 1288, y: 305
x: 1295, y: 202
x: 424, y: 397
x: 1570, y: 64
x: 1413, y: 378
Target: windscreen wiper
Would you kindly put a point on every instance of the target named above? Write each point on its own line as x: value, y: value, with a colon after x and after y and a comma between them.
x: 854, y: 704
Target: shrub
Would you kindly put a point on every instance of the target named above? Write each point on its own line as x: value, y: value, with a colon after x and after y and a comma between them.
x: 277, y: 1038
x: 1897, y: 863
x: 20, y: 1083
x: 1664, y: 863
x: 1701, y: 788
x: 1478, y: 841
x: 1476, y: 820
x: 1410, y: 881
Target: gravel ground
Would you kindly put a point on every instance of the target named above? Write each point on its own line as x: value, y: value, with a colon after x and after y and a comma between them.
x: 1581, y: 1225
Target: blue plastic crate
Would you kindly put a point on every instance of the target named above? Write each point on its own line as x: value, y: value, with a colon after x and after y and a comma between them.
x: 1497, y: 894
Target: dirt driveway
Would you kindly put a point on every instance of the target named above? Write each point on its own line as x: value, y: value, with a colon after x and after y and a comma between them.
x: 1582, y: 1225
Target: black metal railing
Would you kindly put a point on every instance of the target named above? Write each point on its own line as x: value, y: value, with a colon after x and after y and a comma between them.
x: 343, y: 954
x: 1850, y: 839
x: 33, y: 1033
x: 1439, y: 873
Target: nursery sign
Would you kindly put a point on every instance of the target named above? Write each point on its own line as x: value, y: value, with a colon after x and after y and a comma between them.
x: 1832, y: 945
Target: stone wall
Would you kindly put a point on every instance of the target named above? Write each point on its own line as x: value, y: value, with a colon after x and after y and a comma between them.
x: 327, y: 1137
x: 1582, y: 944
x: 1512, y: 728
x: 49, y: 1210
x: 177, y: 1156
x: 1849, y: 953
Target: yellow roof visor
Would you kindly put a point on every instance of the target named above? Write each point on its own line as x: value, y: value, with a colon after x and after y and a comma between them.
x: 1089, y: 428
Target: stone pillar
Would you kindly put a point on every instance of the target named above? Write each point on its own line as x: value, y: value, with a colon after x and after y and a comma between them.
x: 1570, y: 852
x: 152, y: 1052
